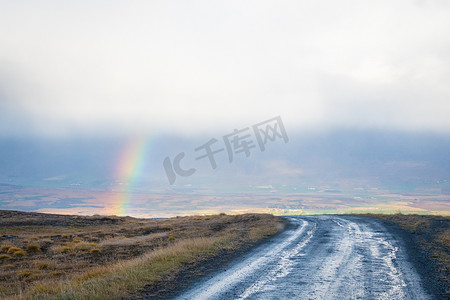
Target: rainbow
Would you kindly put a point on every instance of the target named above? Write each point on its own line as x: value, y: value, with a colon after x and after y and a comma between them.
x: 129, y: 169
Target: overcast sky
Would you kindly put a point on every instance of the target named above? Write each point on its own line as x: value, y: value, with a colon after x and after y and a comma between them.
x: 199, y: 66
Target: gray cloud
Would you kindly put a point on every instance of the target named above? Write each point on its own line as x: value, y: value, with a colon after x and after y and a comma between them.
x: 202, y: 66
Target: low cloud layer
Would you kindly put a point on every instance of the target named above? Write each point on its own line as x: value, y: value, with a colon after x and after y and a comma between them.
x: 188, y: 67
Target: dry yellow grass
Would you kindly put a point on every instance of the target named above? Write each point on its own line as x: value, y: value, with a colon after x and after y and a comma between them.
x: 113, y: 281
x: 33, y: 248
x: 19, y: 253
x: 13, y: 249
x: 84, y: 246
x: 5, y: 247
x: 112, y: 257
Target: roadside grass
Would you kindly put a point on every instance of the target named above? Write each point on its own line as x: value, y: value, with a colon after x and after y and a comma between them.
x: 33, y: 248
x: 116, y: 280
x: 113, y: 257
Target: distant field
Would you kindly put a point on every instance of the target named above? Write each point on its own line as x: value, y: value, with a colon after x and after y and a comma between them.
x: 76, y: 257
x: 282, y: 200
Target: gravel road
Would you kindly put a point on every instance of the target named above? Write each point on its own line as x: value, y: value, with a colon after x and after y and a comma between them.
x: 319, y: 257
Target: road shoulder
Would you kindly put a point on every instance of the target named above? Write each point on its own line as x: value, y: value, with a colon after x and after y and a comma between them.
x: 419, y: 249
x: 196, y: 272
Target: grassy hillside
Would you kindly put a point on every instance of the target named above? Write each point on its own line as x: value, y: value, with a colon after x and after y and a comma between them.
x: 98, y: 257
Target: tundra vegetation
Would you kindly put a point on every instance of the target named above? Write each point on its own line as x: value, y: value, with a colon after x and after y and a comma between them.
x: 45, y: 256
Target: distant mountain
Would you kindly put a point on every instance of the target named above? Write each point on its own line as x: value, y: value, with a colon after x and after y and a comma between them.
x: 339, y: 158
